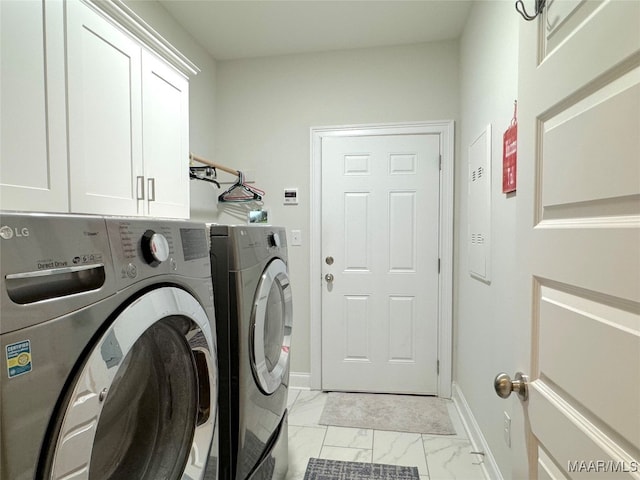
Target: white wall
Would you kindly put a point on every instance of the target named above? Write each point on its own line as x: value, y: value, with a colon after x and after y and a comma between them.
x: 484, y: 314
x: 266, y: 107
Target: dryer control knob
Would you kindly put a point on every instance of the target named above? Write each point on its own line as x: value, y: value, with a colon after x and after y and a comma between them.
x: 274, y: 240
x: 155, y: 248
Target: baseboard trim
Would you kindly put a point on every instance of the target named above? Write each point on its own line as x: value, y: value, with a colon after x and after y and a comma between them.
x: 489, y: 465
x: 300, y: 380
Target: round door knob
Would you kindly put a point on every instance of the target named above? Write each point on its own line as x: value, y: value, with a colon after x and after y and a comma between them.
x: 503, y: 385
x: 328, y: 277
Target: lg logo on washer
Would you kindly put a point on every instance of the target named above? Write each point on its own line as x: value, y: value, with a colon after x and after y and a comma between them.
x: 8, y: 233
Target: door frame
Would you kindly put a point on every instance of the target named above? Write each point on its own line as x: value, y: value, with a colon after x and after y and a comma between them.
x: 445, y: 129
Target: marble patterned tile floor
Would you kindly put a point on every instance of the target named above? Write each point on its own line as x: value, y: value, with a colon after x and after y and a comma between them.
x: 438, y: 457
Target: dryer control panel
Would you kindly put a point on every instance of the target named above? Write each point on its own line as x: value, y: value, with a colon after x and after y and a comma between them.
x: 249, y: 245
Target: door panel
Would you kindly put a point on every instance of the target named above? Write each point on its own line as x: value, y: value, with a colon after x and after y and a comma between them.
x: 380, y: 224
x: 579, y: 235
x: 357, y: 311
x: 580, y: 441
x: 402, y: 231
x: 601, y: 169
x: 564, y: 313
x: 356, y: 229
x: 402, y: 310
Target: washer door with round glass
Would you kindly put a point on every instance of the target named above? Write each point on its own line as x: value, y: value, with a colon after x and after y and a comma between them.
x: 143, y: 404
x: 271, y: 321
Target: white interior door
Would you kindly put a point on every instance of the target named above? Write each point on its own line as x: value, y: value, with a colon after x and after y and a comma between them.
x: 579, y: 235
x: 380, y: 207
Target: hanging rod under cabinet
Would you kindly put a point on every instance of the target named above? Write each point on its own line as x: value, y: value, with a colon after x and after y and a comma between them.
x: 215, y: 165
x: 248, y: 193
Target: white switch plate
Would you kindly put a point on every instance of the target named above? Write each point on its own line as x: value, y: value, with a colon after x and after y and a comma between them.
x: 296, y: 238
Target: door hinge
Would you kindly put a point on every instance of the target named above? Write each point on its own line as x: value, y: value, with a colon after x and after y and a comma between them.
x: 438, y: 265
x: 438, y: 367
x: 440, y: 162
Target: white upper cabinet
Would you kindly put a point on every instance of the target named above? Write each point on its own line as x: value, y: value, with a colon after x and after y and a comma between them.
x: 165, y: 113
x: 121, y: 129
x: 105, y: 114
x: 33, y: 155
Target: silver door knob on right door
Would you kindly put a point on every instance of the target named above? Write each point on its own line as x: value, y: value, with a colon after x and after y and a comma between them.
x: 328, y: 277
x: 503, y: 385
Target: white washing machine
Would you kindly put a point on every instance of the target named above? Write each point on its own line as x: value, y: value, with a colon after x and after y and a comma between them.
x: 108, y: 343
x: 254, y: 319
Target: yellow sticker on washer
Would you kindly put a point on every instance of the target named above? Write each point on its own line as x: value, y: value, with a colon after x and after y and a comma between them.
x: 19, y: 358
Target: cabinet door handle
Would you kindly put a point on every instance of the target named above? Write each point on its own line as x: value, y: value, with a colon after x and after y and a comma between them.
x: 139, y: 187
x: 151, y: 189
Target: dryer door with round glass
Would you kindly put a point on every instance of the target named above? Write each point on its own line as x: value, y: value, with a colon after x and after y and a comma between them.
x: 143, y: 403
x: 271, y: 321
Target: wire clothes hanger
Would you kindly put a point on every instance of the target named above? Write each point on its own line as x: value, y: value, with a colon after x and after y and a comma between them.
x: 239, y: 191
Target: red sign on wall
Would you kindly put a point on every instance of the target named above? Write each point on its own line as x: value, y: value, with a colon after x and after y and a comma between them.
x: 510, y: 155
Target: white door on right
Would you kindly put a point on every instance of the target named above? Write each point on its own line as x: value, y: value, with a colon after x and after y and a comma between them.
x: 579, y: 238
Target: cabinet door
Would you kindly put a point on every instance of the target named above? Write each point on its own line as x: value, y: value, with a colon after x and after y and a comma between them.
x: 165, y: 117
x: 105, y: 124
x: 33, y: 156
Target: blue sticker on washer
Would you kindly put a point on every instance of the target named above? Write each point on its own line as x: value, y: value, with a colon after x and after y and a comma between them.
x: 111, y: 351
x: 19, y: 358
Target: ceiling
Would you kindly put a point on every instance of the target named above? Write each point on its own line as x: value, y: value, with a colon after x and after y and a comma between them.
x: 233, y: 29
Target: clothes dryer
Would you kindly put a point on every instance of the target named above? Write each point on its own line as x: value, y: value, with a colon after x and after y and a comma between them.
x: 254, y: 319
x: 108, y: 341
